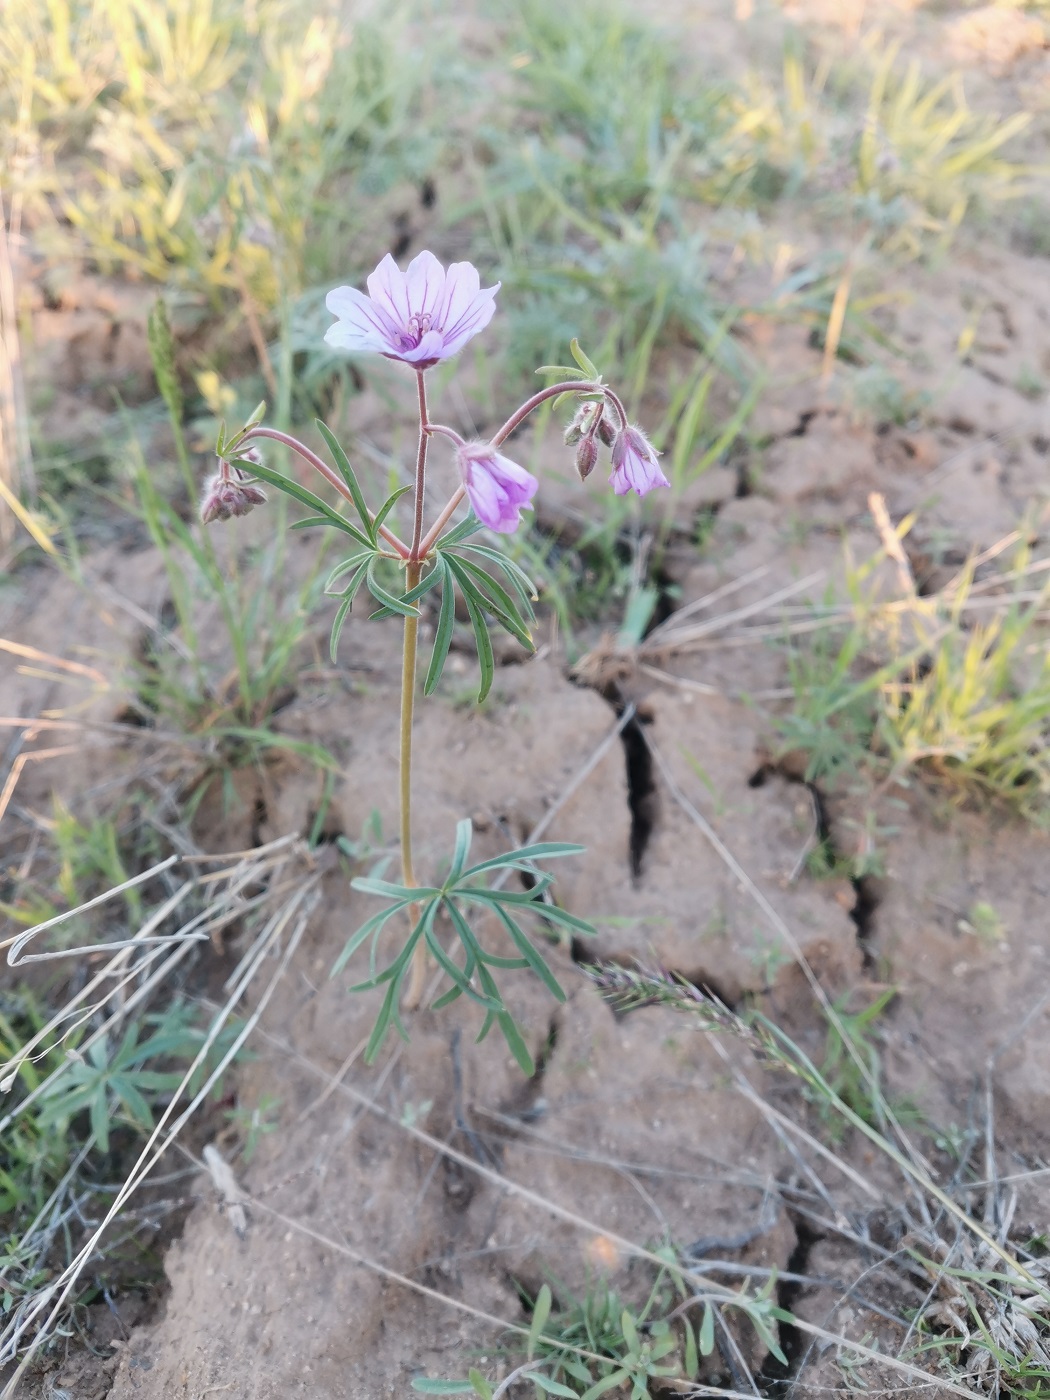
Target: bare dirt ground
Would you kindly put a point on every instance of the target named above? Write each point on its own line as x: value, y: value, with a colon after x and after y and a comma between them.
x: 442, y: 1163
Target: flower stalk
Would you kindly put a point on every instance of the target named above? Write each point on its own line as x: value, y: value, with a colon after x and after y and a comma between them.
x: 419, y: 318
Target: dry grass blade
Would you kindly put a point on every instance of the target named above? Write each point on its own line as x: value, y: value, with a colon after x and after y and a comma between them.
x: 292, y: 901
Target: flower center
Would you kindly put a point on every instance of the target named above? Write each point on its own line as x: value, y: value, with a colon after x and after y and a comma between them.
x: 417, y: 327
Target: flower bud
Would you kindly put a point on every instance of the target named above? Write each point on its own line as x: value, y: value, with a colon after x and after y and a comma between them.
x: 586, y: 457
x: 606, y: 430
x: 224, y: 497
x: 580, y: 424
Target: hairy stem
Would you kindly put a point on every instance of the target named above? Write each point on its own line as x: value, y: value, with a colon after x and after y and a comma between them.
x: 421, y: 462
x: 328, y: 473
x: 430, y: 538
x: 573, y: 386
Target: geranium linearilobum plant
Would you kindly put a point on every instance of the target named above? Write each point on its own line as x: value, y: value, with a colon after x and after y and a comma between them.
x: 421, y: 317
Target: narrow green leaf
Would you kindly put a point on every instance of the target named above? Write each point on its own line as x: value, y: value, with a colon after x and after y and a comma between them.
x: 343, y: 611
x: 530, y: 955
x: 489, y: 1022
x: 447, y: 998
x: 606, y: 1383
x: 707, y: 1331
x: 548, y: 1386
x: 381, y: 595
x: 486, y: 660
x: 425, y: 584
x: 562, y: 371
x: 516, y: 1044
x: 540, y: 850
x: 307, y: 498
x: 480, y: 1384
x: 540, y: 1313
x: 462, y: 531
x: 464, y: 833
x: 100, y: 1118
x: 493, y: 597
x: 309, y: 522
x: 588, y: 367
x: 629, y: 1331
x: 510, y: 964
x: 387, y: 889
x: 346, y: 471
x: 370, y: 926
x: 388, y: 505
x: 445, y: 627
x: 257, y: 414
x: 454, y: 973
x: 692, y: 1359
x: 354, y: 562
x: 519, y: 579
x: 387, y: 1013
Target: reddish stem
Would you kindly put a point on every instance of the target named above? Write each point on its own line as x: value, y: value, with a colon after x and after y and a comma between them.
x: 421, y: 463
x: 572, y: 387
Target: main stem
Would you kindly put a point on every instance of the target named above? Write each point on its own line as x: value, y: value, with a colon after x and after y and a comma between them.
x: 413, y: 570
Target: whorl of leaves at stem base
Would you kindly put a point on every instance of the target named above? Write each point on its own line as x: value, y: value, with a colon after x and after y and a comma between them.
x: 463, y: 889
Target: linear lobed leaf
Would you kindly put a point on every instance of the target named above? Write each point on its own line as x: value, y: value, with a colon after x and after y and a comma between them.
x: 530, y: 954
x: 491, y: 597
x: 542, y: 850
x: 388, y: 505
x: 519, y: 579
x: 486, y: 660
x: 307, y: 498
x: 445, y: 627
x: 382, y: 595
x: 346, y: 471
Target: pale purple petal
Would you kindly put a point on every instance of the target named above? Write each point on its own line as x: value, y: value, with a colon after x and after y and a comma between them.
x: 360, y: 314
x: 484, y: 497
x: 462, y: 285
x: 425, y: 282
x: 635, y: 465
x: 474, y: 319
x: 497, y: 488
x: 386, y: 287
x: 419, y: 316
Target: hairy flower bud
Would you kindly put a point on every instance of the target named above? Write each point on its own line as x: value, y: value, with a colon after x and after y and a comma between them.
x: 580, y: 424
x: 224, y: 496
x: 606, y: 430
x: 586, y: 457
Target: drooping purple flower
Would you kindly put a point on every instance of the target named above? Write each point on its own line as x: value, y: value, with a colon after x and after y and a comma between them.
x: 497, y: 488
x: 635, y: 465
x: 420, y: 316
x: 229, y: 494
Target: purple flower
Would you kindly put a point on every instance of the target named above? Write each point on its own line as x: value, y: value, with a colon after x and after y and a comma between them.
x: 497, y: 488
x: 635, y: 467
x: 419, y: 316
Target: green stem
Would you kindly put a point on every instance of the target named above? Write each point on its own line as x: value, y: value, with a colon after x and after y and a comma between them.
x: 413, y: 571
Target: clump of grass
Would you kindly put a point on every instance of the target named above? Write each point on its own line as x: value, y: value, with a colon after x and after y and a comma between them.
x: 957, y: 688
x: 192, y: 143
